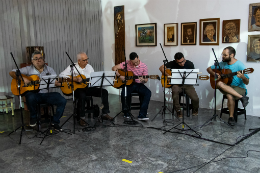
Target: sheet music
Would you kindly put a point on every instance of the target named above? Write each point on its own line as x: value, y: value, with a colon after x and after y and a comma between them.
x: 191, y: 79
x: 96, y: 78
x: 43, y: 84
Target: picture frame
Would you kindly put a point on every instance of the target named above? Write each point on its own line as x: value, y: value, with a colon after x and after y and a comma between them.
x: 209, y: 31
x: 254, y: 13
x: 189, y: 33
x: 253, y: 48
x: 231, y: 31
x: 146, y: 34
x: 171, y: 34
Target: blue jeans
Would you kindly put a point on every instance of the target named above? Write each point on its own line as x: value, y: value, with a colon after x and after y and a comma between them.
x: 53, y: 98
x: 142, y: 90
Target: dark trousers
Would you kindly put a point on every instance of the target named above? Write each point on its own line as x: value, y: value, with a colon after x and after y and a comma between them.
x: 81, y: 94
x: 53, y: 98
x: 190, y: 91
x: 142, y: 90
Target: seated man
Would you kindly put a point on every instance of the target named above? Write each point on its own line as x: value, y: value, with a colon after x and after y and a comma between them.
x: 33, y: 98
x: 237, y: 89
x: 81, y: 93
x: 139, y: 69
x: 181, y: 63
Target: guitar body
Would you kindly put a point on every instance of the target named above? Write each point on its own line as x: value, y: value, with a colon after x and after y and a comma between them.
x: 227, y: 80
x: 14, y: 85
x: 67, y: 89
x: 167, y: 85
x: 118, y: 83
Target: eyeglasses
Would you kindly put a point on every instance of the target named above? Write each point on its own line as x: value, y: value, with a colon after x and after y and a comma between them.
x: 181, y: 62
x: 85, y: 59
x: 36, y: 59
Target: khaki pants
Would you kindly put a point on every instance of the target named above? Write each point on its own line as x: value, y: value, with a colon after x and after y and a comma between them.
x: 239, y: 90
x: 190, y: 91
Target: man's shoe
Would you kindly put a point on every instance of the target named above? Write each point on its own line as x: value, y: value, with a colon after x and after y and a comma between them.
x: 179, y: 113
x: 195, y: 112
x: 231, y: 121
x: 244, y: 101
x: 126, y: 116
x: 82, y: 122
x: 57, y: 127
x: 33, y: 122
x: 107, y: 117
x: 143, y: 118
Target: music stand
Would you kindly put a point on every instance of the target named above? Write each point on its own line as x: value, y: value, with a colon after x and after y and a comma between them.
x: 184, y: 77
x: 100, y: 79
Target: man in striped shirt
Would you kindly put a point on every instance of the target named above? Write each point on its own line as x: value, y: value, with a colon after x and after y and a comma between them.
x: 139, y: 69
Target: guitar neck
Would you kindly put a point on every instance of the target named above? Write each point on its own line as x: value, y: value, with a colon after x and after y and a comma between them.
x: 231, y: 74
x: 136, y: 77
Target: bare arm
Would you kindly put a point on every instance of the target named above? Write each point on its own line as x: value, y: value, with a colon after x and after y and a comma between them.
x: 13, y: 75
x: 116, y: 68
x: 211, y: 72
x: 162, y: 70
x: 244, y: 79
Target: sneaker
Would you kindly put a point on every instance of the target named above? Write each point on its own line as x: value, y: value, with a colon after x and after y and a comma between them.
x: 244, y: 101
x: 179, y: 113
x: 126, y: 116
x: 143, y: 118
x: 195, y: 112
x: 231, y: 121
x: 57, y: 127
x: 33, y: 122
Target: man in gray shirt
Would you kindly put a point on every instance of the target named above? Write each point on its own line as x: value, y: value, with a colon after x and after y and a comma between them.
x: 35, y: 97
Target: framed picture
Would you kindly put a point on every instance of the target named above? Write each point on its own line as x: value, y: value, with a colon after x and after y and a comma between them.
x: 231, y: 31
x: 254, y: 17
x: 171, y: 34
x: 253, y: 48
x: 188, y: 33
x: 209, y: 31
x: 146, y: 34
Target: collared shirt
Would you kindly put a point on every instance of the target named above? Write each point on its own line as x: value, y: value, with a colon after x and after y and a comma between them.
x: 31, y: 70
x: 140, y: 70
x: 85, y: 71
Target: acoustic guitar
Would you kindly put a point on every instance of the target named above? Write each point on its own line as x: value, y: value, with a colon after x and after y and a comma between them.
x: 227, y: 76
x: 130, y: 78
x: 167, y: 82
x: 66, y: 84
x: 33, y: 85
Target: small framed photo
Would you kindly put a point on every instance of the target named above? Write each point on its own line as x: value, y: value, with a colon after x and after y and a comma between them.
x: 209, y: 31
x: 188, y: 33
x: 253, y: 48
x: 254, y: 17
x: 146, y: 34
x: 171, y: 34
x: 231, y: 31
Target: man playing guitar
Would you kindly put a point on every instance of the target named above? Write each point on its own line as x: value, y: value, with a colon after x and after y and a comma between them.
x: 181, y: 63
x: 81, y: 93
x: 139, y: 69
x: 39, y: 68
x: 237, y: 89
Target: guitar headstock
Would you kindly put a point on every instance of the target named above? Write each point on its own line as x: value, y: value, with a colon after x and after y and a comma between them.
x: 248, y: 70
x: 155, y: 77
x: 203, y: 77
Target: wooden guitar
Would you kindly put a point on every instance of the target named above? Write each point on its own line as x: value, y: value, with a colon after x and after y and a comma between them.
x: 227, y: 76
x: 129, y: 80
x: 33, y: 85
x: 167, y: 82
x: 66, y: 84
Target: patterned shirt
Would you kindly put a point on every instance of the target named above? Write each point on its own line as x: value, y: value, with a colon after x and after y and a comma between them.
x: 139, y: 70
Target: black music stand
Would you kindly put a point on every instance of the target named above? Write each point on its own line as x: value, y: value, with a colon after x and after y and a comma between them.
x: 100, y: 79
x: 184, y: 77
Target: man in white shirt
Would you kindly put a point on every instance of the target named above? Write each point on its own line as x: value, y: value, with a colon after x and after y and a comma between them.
x: 85, y: 69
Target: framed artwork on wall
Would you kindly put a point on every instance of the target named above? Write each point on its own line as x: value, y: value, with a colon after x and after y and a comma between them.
x: 209, y: 31
x: 254, y: 17
x: 188, y: 33
x: 231, y: 31
x: 171, y: 34
x: 253, y: 48
x: 146, y: 34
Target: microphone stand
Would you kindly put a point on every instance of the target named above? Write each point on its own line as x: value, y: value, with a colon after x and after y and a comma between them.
x: 18, y: 75
x: 164, y: 107
x: 216, y: 64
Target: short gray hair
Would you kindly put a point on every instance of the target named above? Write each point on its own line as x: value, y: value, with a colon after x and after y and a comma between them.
x: 80, y: 53
x: 36, y: 53
x: 254, y: 41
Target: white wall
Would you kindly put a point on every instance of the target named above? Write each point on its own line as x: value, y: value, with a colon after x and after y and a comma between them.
x: 180, y: 11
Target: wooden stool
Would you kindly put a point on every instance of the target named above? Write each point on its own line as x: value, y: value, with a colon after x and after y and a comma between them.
x: 5, y: 105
